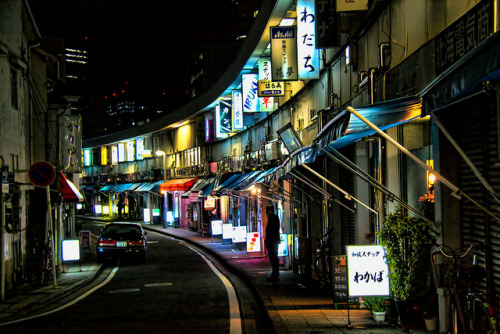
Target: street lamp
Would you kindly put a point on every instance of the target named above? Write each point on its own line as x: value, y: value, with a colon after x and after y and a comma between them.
x: 165, y: 208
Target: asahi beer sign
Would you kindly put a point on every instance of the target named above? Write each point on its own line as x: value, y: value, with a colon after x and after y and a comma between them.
x: 284, y: 54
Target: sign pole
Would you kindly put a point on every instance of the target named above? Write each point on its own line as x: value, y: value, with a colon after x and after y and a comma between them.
x: 53, y: 244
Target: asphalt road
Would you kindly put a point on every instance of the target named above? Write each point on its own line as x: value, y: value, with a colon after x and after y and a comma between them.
x: 178, y: 290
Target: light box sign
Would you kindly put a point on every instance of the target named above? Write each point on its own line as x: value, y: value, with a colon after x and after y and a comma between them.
x: 227, y: 231
x: 266, y: 100
x: 130, y: 151
x: 114, y: 155
x: 87, y: 161
x: 239, y: 234
x: 156, y: 212
x: 367, y: 271
x: 284, y: 53
x: 266, y: 87
x: 216, y: 227
x: 225, y: 112
x: 146, y: 216
x: 308, y: 55
x: 237, y: 110
x: 283, y: 246
x: 351, y: 5
x: 209, y: 127
x: 218, y: 130
x: 104, y: 155
x: 121, y: 152
x: 249, y: 92
x: 71, y: 250
x: 170, y: 217
x: 253, y: 242
x: 139, y: 148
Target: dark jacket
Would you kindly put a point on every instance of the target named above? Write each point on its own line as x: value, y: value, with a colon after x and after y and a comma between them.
x: 273, y: 229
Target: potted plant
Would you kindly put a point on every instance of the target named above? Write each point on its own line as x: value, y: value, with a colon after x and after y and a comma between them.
x: 407, y: 243
x: 377, y: 306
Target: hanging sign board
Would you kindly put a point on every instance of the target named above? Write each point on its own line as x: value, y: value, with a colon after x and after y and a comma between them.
x: 284, y: 54
x: 367, y: 272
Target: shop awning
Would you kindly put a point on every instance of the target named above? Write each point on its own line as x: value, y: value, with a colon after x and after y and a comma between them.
x: 178, y: 184
x: 197, y: 186
x: 68, y: 190
x: 147, y: 186
x: 466, y: 76
x: 304, y: 155
x: 205, y: 192
x: 225, y: 183
x: 346, y: 129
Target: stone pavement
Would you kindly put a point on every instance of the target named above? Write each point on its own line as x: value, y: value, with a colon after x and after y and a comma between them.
x: 294, y: 305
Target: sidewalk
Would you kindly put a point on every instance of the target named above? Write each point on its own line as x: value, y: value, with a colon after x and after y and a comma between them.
x: 294, y: 305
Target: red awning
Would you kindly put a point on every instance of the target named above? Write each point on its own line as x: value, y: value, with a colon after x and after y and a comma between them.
x: 178, y: 184
x: 68, y: 190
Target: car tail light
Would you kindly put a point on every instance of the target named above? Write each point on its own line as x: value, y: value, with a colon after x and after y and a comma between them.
x: 103, y: 243
x: 136, y: 243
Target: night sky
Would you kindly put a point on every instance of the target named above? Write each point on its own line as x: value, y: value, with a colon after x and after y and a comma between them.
x: 144, y: 43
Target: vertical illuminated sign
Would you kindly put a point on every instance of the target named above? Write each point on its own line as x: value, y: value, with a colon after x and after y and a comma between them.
x: 139, y: 148
x: 284, y: 53
x: 237, y: 110
x: 209, y: 127
x: 121, y: 152
x: 308, y: 56
x: 266, y: 103
x: 218, y: 132
x: 250, y: 92
x: 225, y: 117
x: 104, y: 155
x: 114, y: 155
x: 130, y: 151
x: 87, y: 161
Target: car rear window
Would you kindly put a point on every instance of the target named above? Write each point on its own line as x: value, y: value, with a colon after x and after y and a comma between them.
x: 122, y: 231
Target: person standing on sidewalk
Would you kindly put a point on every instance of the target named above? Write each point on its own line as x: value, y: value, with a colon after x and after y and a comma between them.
x: 272, y: 242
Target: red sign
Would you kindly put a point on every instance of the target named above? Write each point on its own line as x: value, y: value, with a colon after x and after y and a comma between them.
x: 42, y: 174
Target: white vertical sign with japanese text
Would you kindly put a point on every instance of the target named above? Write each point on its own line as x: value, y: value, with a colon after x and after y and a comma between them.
x: 266, y: 102
x: 284, y: 53
x: 237, y: 110
x: 367, y: 271
x: 306, y: 40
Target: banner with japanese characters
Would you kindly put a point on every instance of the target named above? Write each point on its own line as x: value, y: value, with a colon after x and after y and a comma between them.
x: 237, y: 104
x: 327, y: 24
x: 71, y: 143
x: 284, y: 53
x: 221, y: 122
x: 225, y: 116
x: 308, y: 55
x: 266, y: 101
x: 367, y: 271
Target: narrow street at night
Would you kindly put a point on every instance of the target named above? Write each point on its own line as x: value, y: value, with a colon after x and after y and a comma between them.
x: 175, y: 292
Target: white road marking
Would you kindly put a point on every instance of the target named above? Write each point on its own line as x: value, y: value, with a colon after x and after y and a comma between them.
x: 74, y: 301
x: 234, y: 306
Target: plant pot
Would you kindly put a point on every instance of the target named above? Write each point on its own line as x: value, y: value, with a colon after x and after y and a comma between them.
x: 379, y: 316
x: 431, y: 324
x: 406, y: 314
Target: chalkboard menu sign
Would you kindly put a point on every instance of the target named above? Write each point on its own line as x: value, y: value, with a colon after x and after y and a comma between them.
x: 340, y: 288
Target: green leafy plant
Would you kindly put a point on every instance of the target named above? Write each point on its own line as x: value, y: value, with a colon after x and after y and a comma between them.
x: 407, y: 243
x: 375, y: 304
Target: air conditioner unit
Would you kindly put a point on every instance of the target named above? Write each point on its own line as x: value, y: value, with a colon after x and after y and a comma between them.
x: 273, y: 151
